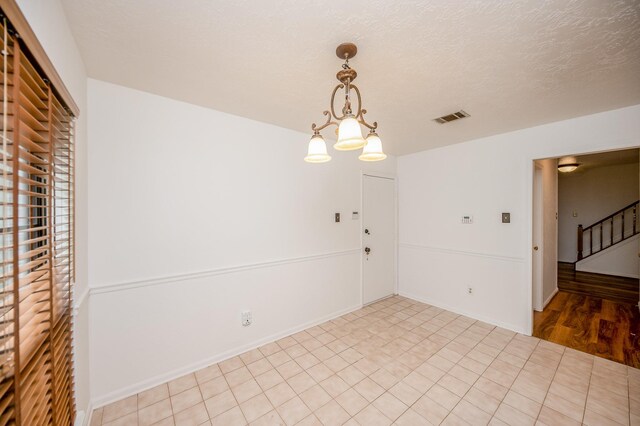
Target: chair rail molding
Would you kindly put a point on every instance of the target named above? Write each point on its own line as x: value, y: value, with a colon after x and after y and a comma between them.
x: 463, y: 252
x: 168, y: 279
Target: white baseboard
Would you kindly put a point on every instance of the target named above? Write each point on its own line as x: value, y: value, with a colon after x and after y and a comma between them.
x: 174, y: 374
x: 458, y: 311
x: 546, y: 302
x: 83, y: 418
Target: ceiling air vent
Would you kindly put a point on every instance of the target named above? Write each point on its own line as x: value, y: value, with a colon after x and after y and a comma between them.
x: 451, y: 117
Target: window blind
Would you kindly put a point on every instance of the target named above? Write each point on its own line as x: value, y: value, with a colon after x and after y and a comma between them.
x: 37, y: 245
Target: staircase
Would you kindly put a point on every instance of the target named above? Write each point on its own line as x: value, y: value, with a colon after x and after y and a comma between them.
x: 607, y: 232
x: 595, y: 238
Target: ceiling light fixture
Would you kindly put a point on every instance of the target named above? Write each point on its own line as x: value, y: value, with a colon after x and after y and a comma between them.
x: 567, y: 164
x: 348, y: 123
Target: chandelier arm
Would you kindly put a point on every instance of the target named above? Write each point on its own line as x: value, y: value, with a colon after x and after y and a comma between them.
x: 333, y: 97
x: 316, y: 129
x: 361, y: 120
x: 354, y: 87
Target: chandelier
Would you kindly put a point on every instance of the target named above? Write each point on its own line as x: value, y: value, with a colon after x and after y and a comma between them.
x: 349, y: 121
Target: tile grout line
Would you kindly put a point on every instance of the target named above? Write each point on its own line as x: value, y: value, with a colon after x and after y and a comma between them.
x: 398, y: 319
x: 480, y: 375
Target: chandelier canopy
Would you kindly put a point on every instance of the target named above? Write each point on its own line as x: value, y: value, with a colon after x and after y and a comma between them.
x: 349, y: 122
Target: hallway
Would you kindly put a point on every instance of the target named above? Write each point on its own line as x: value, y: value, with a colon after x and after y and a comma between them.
x: 619, y: 289
x: 600, y: 327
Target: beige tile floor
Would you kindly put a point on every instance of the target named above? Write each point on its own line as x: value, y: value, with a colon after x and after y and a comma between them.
x: 395, y: 362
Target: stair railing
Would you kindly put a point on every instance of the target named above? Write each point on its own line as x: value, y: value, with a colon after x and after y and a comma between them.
x: 617, y: 218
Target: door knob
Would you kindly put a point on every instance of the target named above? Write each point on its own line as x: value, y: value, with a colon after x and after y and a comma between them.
x: 535, y: 248
x: 367, y: 250
x: 366, y: 231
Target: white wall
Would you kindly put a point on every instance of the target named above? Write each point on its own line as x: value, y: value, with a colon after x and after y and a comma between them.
x: 593, y: 194
x: 620, y: 260
x: 440, y: 257
x: 198, y: 215
x: 49, y: 23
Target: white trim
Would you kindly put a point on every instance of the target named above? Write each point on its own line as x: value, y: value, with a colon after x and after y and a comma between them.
x: 174, y: 374
x: 463, y: 252
x: 78, y: 301
x: 83, y: 418
x: 463, y: 312
x: 380, y: 175
x: 123, y: 286
x: 546, y: 302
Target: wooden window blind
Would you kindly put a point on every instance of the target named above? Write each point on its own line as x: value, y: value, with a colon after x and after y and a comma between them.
x: 37, y: 246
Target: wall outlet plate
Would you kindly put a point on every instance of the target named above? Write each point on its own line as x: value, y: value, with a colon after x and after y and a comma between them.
x: 506, y: 217
x: 246, y: 318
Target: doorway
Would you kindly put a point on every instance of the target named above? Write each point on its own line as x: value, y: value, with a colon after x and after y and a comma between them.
x: 379, y: 238
x: 586, y: 242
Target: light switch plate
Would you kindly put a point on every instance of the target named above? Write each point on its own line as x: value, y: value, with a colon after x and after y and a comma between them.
x: 467, y: 220
x: 506, y: 217
x: 337, y: 217
x: 355, y: 215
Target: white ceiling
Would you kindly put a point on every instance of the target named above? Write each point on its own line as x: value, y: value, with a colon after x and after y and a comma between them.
x: 510, y: 64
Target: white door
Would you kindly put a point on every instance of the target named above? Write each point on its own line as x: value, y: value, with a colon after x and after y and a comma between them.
x: 537, y: 238
x: 379, y: 238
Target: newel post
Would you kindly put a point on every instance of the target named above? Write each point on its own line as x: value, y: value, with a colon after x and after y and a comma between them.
x: 579, y: 242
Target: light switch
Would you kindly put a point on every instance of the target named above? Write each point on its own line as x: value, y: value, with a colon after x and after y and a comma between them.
x: 575, y: 214
x: 506, y: 217
x: 467, y: 220
x: 337, y: 217
x: 355, y: 215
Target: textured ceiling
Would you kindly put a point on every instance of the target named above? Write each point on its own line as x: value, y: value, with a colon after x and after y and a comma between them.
x: 510, y: 64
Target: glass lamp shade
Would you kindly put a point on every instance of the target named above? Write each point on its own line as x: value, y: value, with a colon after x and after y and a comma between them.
x: 373, y: 149
x: 567, y: 164
x: 317, y: 152
x: 349, y: 135
x: 566, y: 168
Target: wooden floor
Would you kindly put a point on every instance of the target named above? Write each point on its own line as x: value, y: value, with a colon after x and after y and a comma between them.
x: 601, y: 327
x: 619, y: 289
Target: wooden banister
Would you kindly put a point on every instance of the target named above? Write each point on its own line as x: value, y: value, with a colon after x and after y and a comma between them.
x: 610, y: 219
x: 635, y: 203
x: 580, y: 241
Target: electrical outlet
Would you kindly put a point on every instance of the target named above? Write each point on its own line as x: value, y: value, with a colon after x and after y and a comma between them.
x: 470, y: 290
x: 246, y: 318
